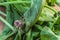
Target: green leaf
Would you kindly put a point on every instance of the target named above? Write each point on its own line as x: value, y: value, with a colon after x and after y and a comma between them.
x: 9, y: 19
x: 58, y: 2
x: 53, y: 2
x: 32, y: 15
x: 9, y: 26
x: 4, y: 37
x: 14, y: 2
x: 15, y: 14
x: 47, y: 15
x: 48, y: 34
x: 2, y: 13
x: 58, y: 20
x: 28, y: 35
x: 38, y: 27
x: 21, y: 7
x: 34, y: 34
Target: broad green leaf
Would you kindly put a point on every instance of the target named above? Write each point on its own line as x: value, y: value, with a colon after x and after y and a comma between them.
x: 31, y: 16
x: 48, y: 34
x: 47, y: 15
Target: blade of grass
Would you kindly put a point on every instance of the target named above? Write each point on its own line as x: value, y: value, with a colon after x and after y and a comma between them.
x: 3, y: 13
x: 9, y: 19
x: 4, y: 37
x: 14, y: 2
x: 10, y: 26
x: 7, y: 36
x: 28, y: 34
x: 19, y: 33
x: 16, y: 36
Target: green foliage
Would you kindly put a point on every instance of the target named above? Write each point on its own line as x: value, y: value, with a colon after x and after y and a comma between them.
x: 33, y: 13
x: 51, y: 2
x: 40, y: 21
x: 58, y: 2
x: 48, y: 34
